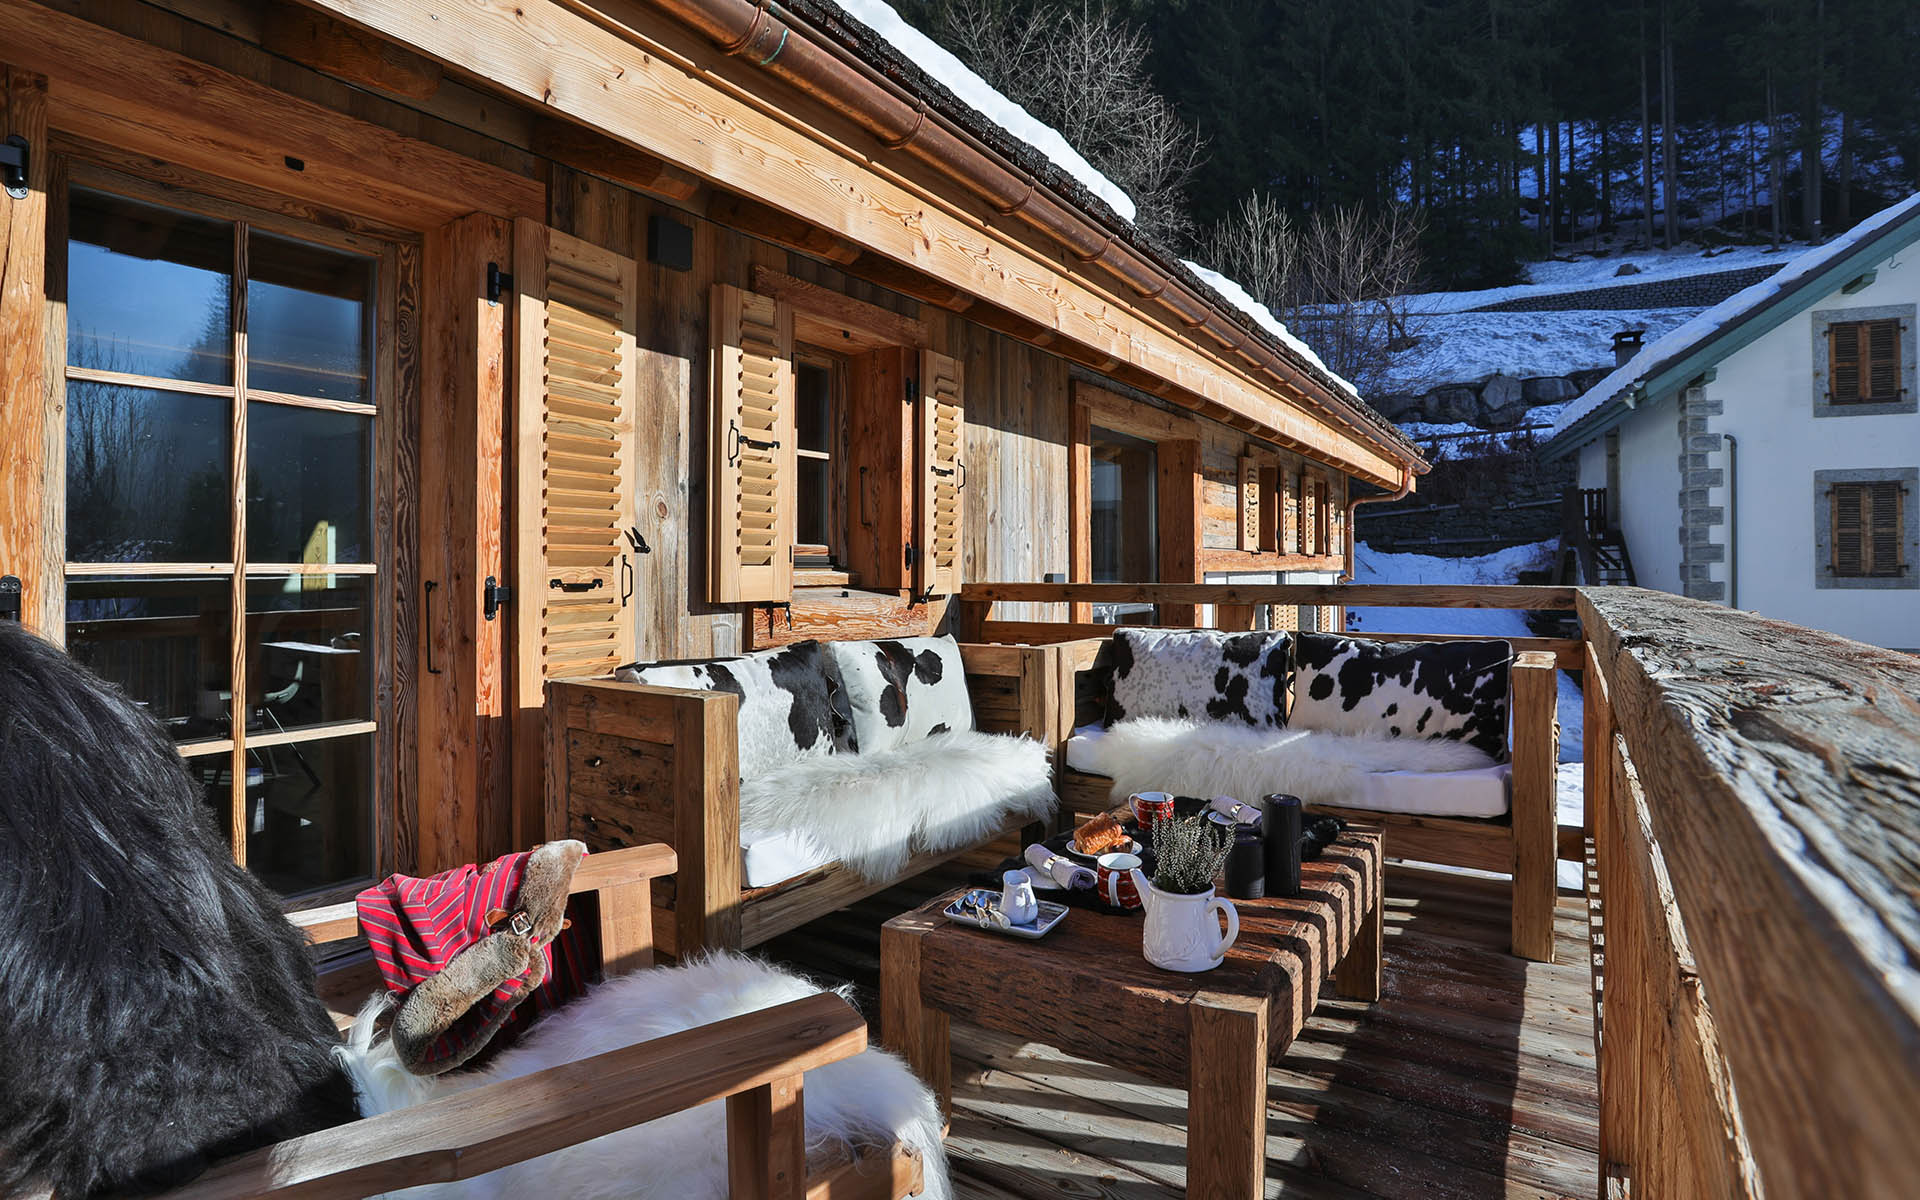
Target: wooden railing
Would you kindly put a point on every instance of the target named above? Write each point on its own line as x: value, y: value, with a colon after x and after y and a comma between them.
x: 1752, y: 841
x: 1754, y: 789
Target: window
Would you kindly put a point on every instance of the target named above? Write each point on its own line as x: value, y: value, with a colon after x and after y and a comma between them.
x: 820, y: 479
x: 1863, y: 361
x: 1867, y: 528
x: 223, y: 537
x: 1122, y: 519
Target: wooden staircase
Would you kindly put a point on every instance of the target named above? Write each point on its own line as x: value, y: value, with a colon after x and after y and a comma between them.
x: 1592, y: 550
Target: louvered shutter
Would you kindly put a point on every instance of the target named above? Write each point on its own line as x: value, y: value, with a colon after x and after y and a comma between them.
x: 1293, y: 530
x: 1843, y: 362
x: 941, y: 424
x: 1883, y: 360
x: 573, y: 463
x: 1883, y: 527
x: 1849, y: 542
x: 751, y: 484
x: 1249, y: 502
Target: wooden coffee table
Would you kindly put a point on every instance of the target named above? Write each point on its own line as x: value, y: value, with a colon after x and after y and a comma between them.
x: 1087, y: 990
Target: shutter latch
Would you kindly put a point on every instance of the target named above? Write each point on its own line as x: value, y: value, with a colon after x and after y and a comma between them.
x: 13, y: 165
x: 908, y: 555
x: 11, y: 594
x: 735, y: 439
x: 494, y: 598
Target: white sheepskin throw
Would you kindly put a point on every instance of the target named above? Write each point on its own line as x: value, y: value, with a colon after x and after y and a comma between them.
x: 868, y: 1101
x: 1214, y: 758
x: 873, y: 811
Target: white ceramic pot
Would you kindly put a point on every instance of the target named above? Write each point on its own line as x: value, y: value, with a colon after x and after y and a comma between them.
x: 1182, y: 932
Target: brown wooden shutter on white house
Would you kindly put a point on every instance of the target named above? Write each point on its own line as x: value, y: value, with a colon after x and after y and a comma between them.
x: 1867, y: 522
x: 1863, y: 362
x: 573, y: 457
x: 941, y: 425
x: 752, y: 481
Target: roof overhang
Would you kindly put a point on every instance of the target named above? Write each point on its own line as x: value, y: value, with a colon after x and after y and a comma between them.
x: 1686, y: 366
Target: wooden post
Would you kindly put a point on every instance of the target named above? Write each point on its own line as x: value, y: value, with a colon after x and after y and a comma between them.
x: 1227, y: 1097
x: 706, y: 768
x: 465, y: 739
x: 767, y: 1141
x: 1181, y: 522
x: 1597, y: 738
x: 908, y: 1027
x: 32, y: 413
x: 1080, y: 507
x: 1536, y: 751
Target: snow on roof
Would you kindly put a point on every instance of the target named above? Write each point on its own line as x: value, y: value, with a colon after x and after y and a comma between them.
x: 1262, y: 316
x: 1732, y: 311
x: 961, y: 80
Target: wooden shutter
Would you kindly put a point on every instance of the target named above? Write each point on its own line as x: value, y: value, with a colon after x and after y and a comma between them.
x: 1883, y: 361
x: 573, y: 460
x: 1883, y: 528
x: 941, y: 421
x: 1249, y: 502
x: 1848, y: 541
x: 1292, y: 531
x: 751, y: 485
x: 1843, y: 362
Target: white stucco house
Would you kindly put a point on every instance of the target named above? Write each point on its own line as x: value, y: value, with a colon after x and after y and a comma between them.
x: 1767, y: 453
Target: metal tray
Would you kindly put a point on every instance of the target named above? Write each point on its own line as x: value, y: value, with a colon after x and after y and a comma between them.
x: 1051, y: 915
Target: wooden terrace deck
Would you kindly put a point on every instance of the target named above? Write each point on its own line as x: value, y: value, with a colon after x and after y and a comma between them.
x: 1472, y: 1077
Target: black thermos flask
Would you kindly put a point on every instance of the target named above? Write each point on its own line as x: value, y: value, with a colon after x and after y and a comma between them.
x: 1280, y: 820
x: 1246, y: 865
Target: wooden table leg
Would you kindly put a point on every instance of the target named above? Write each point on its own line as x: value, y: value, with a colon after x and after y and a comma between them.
x: 909, y: 1027
x: 1227, y: 1097
x: 1357, y: 975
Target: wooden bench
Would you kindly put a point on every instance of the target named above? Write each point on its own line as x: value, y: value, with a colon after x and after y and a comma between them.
x: 630, y: 763
x: 754, y: 1062
x: 1524, y: 844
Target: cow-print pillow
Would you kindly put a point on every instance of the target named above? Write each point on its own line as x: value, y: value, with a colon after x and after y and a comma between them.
x: 902, y: 689
x: 1199, y: 673
x: 1455, y: 690
x: 791, y: 702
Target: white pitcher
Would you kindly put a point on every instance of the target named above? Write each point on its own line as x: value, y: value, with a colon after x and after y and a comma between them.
x: 1182, y: 933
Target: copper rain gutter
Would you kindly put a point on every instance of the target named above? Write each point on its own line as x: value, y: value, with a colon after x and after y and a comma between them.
x: 1353, y: 507
x: 756, y: 32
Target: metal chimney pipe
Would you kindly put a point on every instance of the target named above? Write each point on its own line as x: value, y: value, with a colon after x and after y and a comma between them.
x: 1626, y: 344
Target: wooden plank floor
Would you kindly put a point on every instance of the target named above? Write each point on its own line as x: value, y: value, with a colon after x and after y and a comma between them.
x: 1472, y: 1077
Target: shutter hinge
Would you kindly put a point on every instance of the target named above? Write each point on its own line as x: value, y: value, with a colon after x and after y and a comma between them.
x: 13, y: 165
x: 912, y: 390
x: 908, y: 555
x: 494, y: 597
x: 497, y: 282
x: 12, y: 594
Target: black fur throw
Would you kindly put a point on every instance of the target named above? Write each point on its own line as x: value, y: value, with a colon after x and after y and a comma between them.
x: 156, y: 1009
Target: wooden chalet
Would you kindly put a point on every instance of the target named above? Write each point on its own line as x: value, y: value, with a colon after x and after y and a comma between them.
x: 368, y: 365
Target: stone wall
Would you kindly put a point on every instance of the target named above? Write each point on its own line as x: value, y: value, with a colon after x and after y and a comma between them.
x: 1692, y: 291
x: 1498, y: 402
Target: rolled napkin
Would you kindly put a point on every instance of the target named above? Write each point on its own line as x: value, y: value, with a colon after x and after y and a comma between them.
x: 1049, y: 869
x: 1245, y: 814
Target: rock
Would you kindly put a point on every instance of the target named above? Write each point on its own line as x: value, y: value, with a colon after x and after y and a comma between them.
x: 1583, y: 381
x: 1547, y: 389
x: 1449, y: 405
x: 1397, y: 406
x: 1503, y: 400
x: 1627, y: 268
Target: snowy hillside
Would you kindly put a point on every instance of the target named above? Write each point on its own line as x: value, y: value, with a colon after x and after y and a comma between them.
x: 1578, y: 272
x: 1464, y: 347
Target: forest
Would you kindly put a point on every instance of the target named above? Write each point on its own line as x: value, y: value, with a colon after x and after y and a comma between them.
x: 1510, y: 128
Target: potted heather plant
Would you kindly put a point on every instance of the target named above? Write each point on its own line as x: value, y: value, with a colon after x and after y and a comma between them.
x: 1182, y: 932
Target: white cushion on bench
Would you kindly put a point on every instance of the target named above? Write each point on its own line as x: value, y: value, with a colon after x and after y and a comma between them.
x: 770, y: 856
x: 1475, y: 790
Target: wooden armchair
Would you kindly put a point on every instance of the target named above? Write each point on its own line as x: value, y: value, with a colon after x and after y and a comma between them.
x: 629, y: 763
x: 1523, y: 844
x: 754, y: 1062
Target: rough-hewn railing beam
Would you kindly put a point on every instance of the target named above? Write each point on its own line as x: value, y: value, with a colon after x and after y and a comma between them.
x: 1781, y: 768
x: 1394, y: 595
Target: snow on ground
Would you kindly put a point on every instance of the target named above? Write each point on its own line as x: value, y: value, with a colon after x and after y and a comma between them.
x: 958, y: 78
x: 1470, y: 346
x: 1587, y: 271
x: 1500, y: 567
x: 1461, y: 440
x: 1660, y: 351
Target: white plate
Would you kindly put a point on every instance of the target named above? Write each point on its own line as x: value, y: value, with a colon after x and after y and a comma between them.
x: 1074, y: 846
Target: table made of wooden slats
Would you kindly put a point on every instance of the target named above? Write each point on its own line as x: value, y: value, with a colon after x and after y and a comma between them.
x: 1086, y: 989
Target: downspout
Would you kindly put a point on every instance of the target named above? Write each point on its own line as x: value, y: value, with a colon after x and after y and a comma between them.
x: 1733, y: 520
x: 1353, y: 506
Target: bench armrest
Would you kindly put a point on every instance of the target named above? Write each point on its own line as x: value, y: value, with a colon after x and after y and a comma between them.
x: 1017, y: 689
x: 656, y: 764
x: 754, y: 1061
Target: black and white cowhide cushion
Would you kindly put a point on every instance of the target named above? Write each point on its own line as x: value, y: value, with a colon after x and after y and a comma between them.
x: 902, y: 689
x: 1200, y: 673
x: 1455, y: 690
x: 791, y: 703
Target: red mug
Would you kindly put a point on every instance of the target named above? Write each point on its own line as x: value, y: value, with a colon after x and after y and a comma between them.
x: 1120, y: 882
x: 1149, y: 807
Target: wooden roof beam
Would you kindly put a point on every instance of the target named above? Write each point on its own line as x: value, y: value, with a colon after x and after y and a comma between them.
x: 596, y: 154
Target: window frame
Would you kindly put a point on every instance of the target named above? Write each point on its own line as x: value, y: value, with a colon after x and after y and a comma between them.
x: 812, y: 557
x: 392, y: 384
x: 1824, y: 322
x: 1826, y: 520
